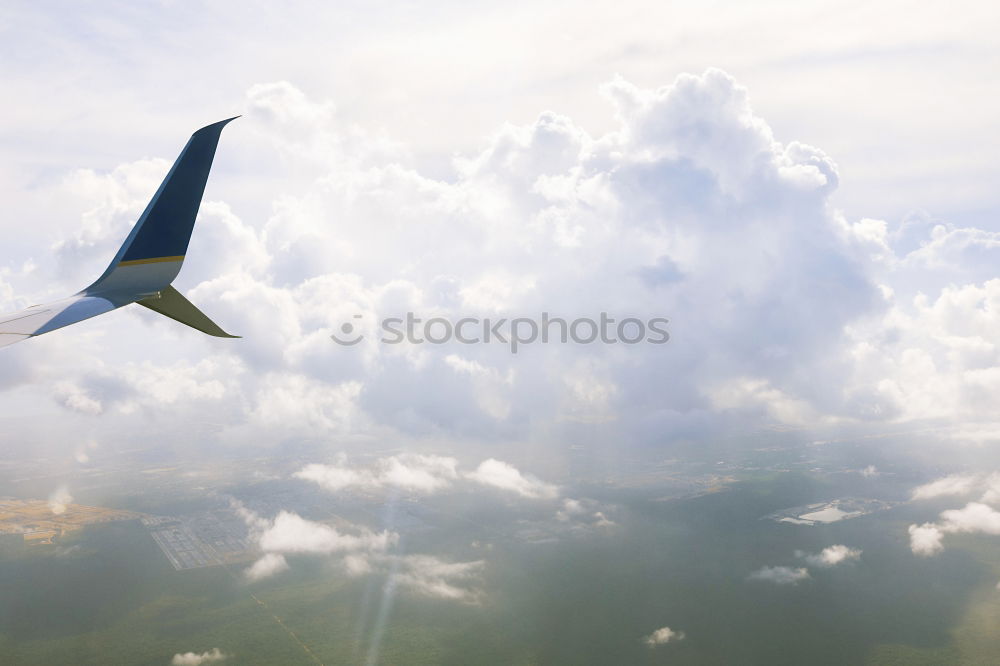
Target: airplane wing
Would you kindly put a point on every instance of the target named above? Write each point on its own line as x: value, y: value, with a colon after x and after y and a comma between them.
x: 148, y: 260
x: 40, y: 319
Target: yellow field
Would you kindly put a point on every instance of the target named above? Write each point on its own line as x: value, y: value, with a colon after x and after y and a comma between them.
x: 39, y: 524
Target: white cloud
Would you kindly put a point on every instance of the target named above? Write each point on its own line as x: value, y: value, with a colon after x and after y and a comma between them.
x: 498, y: 474
x: 748, y: 393
x: 194, y: 659
x: 419, y: 472
x: 870, y: 472
x: 424, y: 474
x: 338, y: 476
x: 283, y: 105
x: 781, y: 575
x: 290, y: 533
x: 287, y: 402
x: 408, y: 471
x: 433, y: 577
x: 583, y: 513
x: 991, y: 489
x: 956, y: 484
x: 925, y: 539
x: 490, y: 385
x: 832, y: 556
x: 268, y: 565
x: 360, y: 552
x: 974, y: 518
x: 931, y: 356
x: 506, y: 232
x: 521, y: 215
x: 59, y: 500
x: 986, y: 486
x: 662, y: 636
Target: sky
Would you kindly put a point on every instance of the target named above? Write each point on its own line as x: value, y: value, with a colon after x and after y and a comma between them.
x: 804, y: 192
x: 802, y: 189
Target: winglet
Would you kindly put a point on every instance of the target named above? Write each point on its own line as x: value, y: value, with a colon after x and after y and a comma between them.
x: 163, y: 231
x: 171, y: 303
x: 148, y: 260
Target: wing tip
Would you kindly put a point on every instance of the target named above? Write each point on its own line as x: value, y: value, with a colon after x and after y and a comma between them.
x: 216, y: 126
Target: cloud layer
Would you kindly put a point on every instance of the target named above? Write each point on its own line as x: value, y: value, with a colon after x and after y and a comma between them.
x: 689, y: 208
x: 545, y: 217
x: 423, y: 474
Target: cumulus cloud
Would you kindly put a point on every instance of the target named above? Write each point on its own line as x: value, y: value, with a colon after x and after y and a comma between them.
x: 974, y: 518
x: 831, y: 556
x: 662, y: 636
x: 985, y: 485
x: 267, y: 566
x: 689, y: 179
x: 977, y: 517
x: 781, y: 575
x: 931, y: 357
x: 504, y: 476
x: 413, y: 472
x: 291, y: 533
x: 926, y: 539
x: 195, y: 659
x: 956, y: 484
x: 359, y: 551
x: 420, y: 473
x: 338, y: 476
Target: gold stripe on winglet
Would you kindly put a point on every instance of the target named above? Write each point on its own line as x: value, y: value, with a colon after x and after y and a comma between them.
x: 154, y: 260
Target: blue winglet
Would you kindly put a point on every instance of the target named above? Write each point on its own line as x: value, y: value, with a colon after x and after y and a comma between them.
x: 164, y: 228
